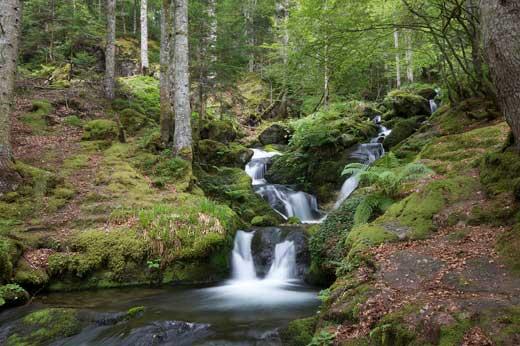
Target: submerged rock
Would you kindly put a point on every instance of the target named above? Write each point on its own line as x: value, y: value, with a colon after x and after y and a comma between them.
x: 167, y: 333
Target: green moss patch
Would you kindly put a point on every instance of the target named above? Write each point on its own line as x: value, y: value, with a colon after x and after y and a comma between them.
x: 35, y: 119
x: 100, y: 129
x: 298, y: 332
x: 214, y: 153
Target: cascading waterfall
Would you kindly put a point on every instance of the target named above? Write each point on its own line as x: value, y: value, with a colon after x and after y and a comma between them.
x: 284, y: 200
x: 366, y: 153
x: 283, y: 268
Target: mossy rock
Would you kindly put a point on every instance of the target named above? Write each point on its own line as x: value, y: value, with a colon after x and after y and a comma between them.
x: 500, y: 172
x: 401, y: 130
x: 29, y: 277
x: 275, y: 134
x: 219, y: 154
x: 264, y: 221
x: 132, y: 121
x: 233, y: 187
x: 406, y: 105
x: 298, y: 332
x: 508, y: 245
x: 224, y: 131
x: 100, y: 129
x: 12, y: 295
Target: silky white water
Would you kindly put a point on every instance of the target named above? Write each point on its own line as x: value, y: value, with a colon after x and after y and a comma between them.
x: 284, y: 200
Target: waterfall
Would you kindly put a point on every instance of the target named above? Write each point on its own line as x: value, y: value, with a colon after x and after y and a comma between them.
x: 366, y: 153
x: 242, y: 259
x: 284, y: 264
x: 284, y: 200
x: 433, y: 106
x: 282, y: 269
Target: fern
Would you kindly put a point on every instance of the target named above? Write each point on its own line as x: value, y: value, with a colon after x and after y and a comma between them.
x: 369, y: 206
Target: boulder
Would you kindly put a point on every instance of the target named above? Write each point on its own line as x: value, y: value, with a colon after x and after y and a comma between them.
x: 275, y: 134
x: 223, y: 131
x: 12, y: 295
x: 402, y: 129
x: 427, y: 93
x: 219, y: 154
x: 406, y: 105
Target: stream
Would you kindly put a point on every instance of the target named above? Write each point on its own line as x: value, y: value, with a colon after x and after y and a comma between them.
x: 265, y: 291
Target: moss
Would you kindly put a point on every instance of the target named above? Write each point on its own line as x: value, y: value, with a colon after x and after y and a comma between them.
x: 500, y: 172
x: 12, y: 295
x: 214, y: 153
x: 363, y: 237
x: 392, y: 330
x: 453, y: 334
x: 43, y: 327
x: 136, y: 311
x: 35, y: 119
x: 132, y: 120
x: 298, y: 332
x: 264, y: 221
x: 275, y: 134
x: 507, y: 247
x: 8, y: 255
x: 459, y: 153
x: 233, y: 187
x: 29, y: 277
x: 142, y: 95
x: 401, y: 130
x: 73, y: 120
x: 406, y: 104
x: 220, y: 130
x: 417, y: 211
x: 100, y: 129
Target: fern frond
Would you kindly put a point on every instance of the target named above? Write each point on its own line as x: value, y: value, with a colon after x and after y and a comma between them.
x: 368, y: 207
x: 354, y: 168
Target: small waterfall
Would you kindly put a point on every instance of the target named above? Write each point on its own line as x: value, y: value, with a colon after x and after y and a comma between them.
x: 433, y: 106
x: 282, y: 269
x: 366, y: 153
x: 284, y: 264
x: 284, y: 200
x: 242, y: 259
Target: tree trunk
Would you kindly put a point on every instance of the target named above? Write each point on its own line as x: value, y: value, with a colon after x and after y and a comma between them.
x: 110, y: 54
x: 10, y: 28
x: 409, y: 57
x: 249, y: 11
x: 501, y: 31
x: 182, y: 139
x: 212, y: 40
x: 165, y: 87
x: 144, y: 36
x: 397, y: 59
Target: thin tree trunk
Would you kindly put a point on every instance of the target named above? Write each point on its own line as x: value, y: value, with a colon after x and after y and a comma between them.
x: 501, y: 31
x: 397, y: 59
x: 409, y: 57
x: 165, y: 87
x: 249, y: 11
x: 144, y: 36
x: 182, y: 139
x: 134, y: 29
x: 212, y: 40
x: 110, y: 55
x: 10, y: 29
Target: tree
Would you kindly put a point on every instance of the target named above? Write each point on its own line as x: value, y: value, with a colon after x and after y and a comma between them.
x: 144, y: 36
x: 182, y: 138
x: 501, y: 31
x: 110, y: 54
x: 167, y: 69
x: 10, y: 25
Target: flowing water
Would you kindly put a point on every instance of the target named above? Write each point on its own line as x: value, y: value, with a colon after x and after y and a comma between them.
x: 365, y: 153
x: 245, y: 310
x: 283, y: 199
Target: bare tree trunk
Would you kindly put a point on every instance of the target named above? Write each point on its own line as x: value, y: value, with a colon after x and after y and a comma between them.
x: 409, y: 57
x: 110, y: 54
x: 144, y: 36
x: 182, y: 139
x: 134, y: 29
x: 249, y: 11
x: 501, y: 31
x: 282, y: 16
x: 10, y: 29
x: 165, y: 87
x: 212, y: 40
x: 397, y: 59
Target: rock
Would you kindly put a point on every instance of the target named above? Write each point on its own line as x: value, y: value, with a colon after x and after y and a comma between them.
x: 223, y: 131
x: 406, y: 105
x: 401, y: 130
x: 218, y: 154
x: 427, y: 93
x: 167, y: 333
x: 264, y: 243
x: 275, y: 134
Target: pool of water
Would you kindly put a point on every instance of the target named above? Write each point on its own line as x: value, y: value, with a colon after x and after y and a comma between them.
x: 238, y: 312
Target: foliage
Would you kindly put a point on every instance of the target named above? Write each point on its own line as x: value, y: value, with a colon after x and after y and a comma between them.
x: 100, y: 129
x: 386, y: 177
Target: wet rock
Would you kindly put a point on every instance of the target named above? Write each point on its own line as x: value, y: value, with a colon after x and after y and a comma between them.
x: 264, y: 243
x: 407, y: 105
x: 275, y: 134
x: 167, y: 333
x: 218, y: 154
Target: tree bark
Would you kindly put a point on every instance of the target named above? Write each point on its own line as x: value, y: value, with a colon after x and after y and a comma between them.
x: 409, y: 57
x: 397, y: 59
x: 144, y: 37
x: 110, y: 54
x: 166, y: 67
x: 10, y: 29
x: 501, y: 32
x: 182, y: 139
